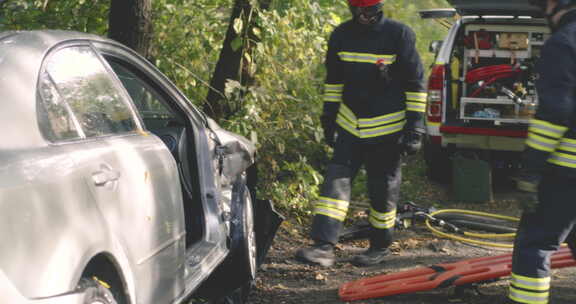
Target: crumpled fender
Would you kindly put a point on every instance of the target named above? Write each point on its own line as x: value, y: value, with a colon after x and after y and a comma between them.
x: 238, y: 152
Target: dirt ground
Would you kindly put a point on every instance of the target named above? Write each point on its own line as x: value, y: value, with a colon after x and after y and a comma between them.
x: 283, y: 280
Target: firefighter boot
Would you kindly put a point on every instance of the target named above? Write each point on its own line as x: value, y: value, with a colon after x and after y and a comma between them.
x: 370, y: 257
x: 378, y: 251
x: 318, y: 254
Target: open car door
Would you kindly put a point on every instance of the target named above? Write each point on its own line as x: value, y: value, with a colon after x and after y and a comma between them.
x: 496, y: 8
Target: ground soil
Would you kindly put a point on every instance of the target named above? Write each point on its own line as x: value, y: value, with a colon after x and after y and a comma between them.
x: 284, y: 280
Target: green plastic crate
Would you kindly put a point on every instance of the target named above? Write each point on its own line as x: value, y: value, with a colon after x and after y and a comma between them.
x: 472, y: 179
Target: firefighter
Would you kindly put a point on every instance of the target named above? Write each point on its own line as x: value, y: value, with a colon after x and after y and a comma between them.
x: 374, y: 104
x: 549, y: 161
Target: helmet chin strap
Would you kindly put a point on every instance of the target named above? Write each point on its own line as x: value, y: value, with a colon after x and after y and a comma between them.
x: 361, y: 19
x: 367, y: 16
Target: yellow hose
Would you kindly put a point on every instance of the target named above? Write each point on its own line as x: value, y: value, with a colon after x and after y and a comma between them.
x: 476, y: 235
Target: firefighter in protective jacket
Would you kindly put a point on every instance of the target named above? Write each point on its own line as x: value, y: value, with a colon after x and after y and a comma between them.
x: 549, y: 161
x: 374, y: 104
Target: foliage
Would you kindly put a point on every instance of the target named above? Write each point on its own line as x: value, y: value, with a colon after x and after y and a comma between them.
x: 284, y: 107
x: 280, y: 109
x: 80, y: 15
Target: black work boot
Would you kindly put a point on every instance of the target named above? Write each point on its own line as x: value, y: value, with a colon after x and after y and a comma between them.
x: 318, y: 254
x: 370, y: 257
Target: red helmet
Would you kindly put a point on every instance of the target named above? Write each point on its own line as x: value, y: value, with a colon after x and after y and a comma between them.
x: 363, y: 3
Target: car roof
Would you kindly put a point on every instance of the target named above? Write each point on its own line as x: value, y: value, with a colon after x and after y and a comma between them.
x: 21, y: 56
x: 496, y: 8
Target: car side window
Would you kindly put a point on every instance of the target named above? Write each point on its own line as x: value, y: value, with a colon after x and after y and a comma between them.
x: 83, y: 82
x: 56, y: 120
x: 151, y: 105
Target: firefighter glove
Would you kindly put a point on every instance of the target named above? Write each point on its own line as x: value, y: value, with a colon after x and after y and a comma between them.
x: 329, y: 128
x: 410, y: 142
x: 527, y: 186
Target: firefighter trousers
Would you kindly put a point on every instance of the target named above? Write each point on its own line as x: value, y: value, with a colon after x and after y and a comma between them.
x: 382, y: 162
x: 540, y: 234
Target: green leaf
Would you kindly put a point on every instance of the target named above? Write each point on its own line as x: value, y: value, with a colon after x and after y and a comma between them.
x: 335, y: 18
x: 238, y: 25
x: 257, y: 32
x: 236, y: 44
x: 248, y: 58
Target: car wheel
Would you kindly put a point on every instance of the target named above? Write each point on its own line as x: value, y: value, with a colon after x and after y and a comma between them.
x: 96, y: 292
x: 242, y: 258
x: 249, y: 234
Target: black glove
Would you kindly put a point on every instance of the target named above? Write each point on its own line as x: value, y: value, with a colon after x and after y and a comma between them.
x: 527, y: 186
x: 410, y: 142
x: 329, y: 127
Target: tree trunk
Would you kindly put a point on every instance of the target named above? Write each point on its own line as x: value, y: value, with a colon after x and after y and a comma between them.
x: 130, y: 23
x: 230, y: 64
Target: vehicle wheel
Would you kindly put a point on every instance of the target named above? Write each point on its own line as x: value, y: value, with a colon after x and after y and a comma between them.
x: 243, y: 255
x: 438, y: 164
x: 249, y: 234
x: 242, y: 259
x: 95, y: 292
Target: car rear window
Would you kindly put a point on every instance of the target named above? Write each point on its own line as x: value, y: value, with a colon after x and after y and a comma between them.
x: 81, y: 80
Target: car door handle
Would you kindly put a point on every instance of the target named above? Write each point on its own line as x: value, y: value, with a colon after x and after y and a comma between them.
x: 104, y: 176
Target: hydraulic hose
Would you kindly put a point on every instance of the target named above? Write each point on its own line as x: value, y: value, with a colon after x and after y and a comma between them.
x: 467, y: 237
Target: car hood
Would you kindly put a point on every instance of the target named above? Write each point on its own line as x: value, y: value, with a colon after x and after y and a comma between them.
x: 495, y: 8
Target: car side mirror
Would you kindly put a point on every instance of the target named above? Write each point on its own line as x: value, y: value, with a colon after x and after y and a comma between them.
x: 435, y: 46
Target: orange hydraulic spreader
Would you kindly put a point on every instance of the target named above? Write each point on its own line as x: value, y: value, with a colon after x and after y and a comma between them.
x: 440, y: 276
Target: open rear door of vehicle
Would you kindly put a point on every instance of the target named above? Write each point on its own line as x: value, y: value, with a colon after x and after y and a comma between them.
x: 496, y: 8
x: 437, y: 13
x: 440, y: 15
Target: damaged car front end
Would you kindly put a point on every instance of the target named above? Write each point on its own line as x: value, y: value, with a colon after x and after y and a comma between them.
x: 252, y: 223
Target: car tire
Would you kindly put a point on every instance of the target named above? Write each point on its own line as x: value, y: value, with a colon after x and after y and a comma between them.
x: 242, y: 258
x: 95, y: 292
x: 249, y: 235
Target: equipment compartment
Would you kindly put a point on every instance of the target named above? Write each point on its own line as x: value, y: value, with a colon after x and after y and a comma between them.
x: 497, y: 74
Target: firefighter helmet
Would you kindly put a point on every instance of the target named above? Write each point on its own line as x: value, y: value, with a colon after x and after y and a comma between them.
x: 363, y: 3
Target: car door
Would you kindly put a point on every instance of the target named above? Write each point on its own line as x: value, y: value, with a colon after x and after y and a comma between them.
x: 168, y: 114
x: 131, y: 175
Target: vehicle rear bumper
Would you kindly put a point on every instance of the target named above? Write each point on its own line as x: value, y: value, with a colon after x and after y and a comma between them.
x: 484, y: 142
x: 481, y: 138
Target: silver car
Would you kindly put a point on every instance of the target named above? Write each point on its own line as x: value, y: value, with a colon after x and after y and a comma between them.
x: 113, y: 187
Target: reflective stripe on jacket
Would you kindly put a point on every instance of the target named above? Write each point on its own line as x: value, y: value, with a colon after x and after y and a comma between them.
x: 551, y: 142
x: 375, y: 79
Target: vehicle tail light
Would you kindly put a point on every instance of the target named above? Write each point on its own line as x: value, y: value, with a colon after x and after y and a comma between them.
x: 435, y: 89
